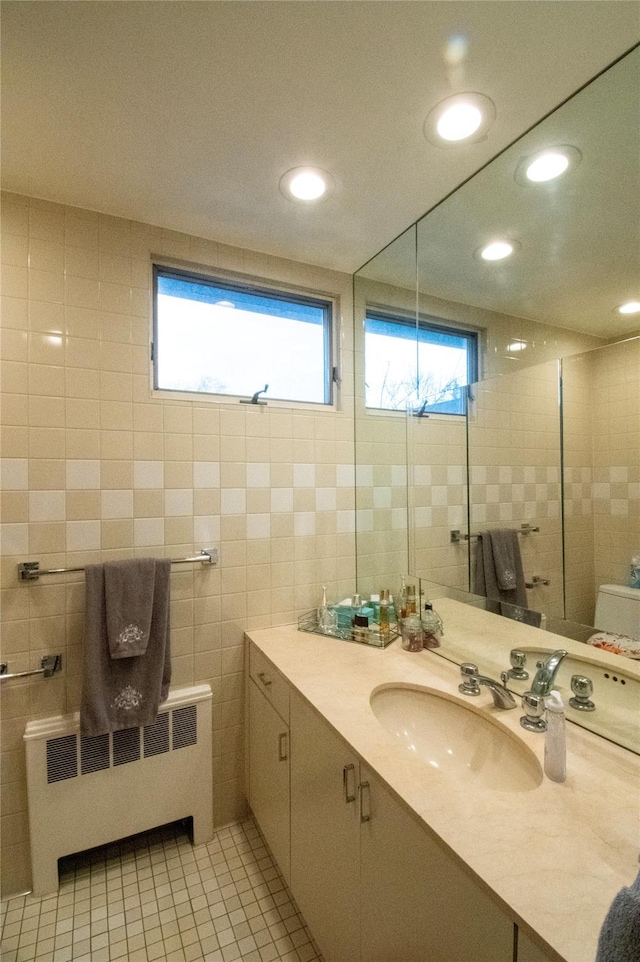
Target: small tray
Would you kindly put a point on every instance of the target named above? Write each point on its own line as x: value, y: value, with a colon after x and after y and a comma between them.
x: 309, y: 622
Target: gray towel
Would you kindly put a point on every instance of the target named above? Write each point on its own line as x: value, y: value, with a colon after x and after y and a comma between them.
x: 128, y: 588
x: 499, y: 573
x: 620, y: 934
x: 124, y: 692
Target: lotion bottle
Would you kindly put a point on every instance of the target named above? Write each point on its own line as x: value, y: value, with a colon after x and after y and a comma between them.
x: 555, y: 749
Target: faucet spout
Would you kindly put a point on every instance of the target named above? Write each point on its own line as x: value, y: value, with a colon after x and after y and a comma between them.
x: 546, y: 673
x: 502, y: 698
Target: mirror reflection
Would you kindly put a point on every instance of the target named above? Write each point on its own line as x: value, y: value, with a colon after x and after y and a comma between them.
x: 536, y: 421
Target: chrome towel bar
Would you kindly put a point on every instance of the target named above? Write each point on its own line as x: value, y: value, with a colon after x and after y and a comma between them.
x: 457, y: 537
x: 49, y: 665
x: 31, y: 570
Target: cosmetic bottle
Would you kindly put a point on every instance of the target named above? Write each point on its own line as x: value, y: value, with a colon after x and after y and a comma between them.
x: 412, y: 605
x: 431, y: 627
x: 401, y: 602
x: 383, y: 619
x: 361, y: 628
x: 555, y: 749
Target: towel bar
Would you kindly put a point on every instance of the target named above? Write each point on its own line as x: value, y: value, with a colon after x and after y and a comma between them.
x: 31, y: 570
x: 49, y: 665
x: 457, y: 537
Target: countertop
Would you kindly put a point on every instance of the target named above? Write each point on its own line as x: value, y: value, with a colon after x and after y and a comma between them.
x: 553, y: 857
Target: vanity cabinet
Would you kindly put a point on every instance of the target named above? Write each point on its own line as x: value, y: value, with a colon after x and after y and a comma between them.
x: 268, y: 790
x: 371, y: 882
x: 325, y: 825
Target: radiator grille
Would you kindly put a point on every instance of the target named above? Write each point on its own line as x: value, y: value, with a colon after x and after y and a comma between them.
x: 94, y: 753
x: 185, y: 727
x: 156, y: 736
x: 99, y: 752
x: 126, y: 746
x: 62, y: 758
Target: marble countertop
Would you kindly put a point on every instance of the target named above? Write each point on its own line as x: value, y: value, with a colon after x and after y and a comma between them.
x: 555, y: 856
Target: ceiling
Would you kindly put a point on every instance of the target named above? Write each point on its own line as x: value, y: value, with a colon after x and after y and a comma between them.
x: 186, y: 114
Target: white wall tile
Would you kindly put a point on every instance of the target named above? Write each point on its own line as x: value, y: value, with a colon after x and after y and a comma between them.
x: 47, y: 506
x: 15, y: 539
x: 258, y: 526
x: 148, y: 474
x: 117, y: 504
x: 233, y: 501
x: 304, y: 475
x: 206, y: 474
x: 83, y: 475
x: 83, y: 535
x: 148, y: 532
x: 258, y: 474
x: 178, y: 502
x: 281, y: 500
x: 14, y: 474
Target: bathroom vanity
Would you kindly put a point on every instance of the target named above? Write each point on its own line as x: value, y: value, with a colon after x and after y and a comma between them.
x: 391, y: 858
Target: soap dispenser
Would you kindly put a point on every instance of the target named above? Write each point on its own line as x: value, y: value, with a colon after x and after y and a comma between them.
x: 555, y: 749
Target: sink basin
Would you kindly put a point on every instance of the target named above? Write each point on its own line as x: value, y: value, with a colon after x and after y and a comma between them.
x: 456, y: 740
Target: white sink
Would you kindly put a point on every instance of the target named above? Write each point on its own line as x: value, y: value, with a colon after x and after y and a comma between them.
x: 456, y: 739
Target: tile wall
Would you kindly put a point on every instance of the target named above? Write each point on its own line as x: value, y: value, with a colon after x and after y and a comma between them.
x: 602, y: 441
x: 96, y: 468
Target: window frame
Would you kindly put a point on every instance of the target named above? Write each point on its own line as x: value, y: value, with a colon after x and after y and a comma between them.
x: 426, y: 322
x: 267, y: 288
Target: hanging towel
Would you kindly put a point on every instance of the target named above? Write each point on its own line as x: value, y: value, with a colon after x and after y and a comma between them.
x: 499, y: 573
x: 620, y: 934
x: 123, y: 692
x: 129, y: 588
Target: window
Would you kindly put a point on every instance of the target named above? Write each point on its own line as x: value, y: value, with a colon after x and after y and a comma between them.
x: 424, y: 369
x: 219, y: 337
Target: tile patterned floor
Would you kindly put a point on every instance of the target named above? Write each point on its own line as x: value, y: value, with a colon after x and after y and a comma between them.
x: 156, y: 898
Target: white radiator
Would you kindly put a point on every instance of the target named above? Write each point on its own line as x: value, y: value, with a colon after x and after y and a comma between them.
x: 88, y: 791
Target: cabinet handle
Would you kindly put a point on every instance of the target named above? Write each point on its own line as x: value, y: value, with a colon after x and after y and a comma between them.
x: 349, y: 796
x: 282, y: 747
x: 265, y: 681
x: 365, y: 816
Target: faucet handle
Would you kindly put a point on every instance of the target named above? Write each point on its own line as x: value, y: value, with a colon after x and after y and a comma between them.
x: 518, y: 660
x: 533, y: 706
x: 582, y: 688
x: 469, y: 684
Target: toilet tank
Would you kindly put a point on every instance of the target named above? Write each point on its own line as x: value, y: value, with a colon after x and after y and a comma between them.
x: 618, y: 610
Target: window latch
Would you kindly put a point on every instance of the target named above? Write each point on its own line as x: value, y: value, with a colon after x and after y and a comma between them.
x: 254, y: 399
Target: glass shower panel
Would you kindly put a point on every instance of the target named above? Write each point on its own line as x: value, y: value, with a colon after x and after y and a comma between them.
x: 384, y: 301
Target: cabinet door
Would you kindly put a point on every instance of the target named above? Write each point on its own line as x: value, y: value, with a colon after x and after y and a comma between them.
x: 528, y: 951
x: 324, y: 833
x: 269, y: 775
x: 417, y: 904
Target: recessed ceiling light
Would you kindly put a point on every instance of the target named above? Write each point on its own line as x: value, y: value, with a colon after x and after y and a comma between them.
x: 631, y: 307
x: 547, y: 164
x: 462, y: 119
x: 497, y: 250
x: 306, y: 183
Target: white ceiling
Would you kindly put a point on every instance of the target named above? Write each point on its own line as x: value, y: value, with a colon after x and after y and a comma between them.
x: 186, y: 114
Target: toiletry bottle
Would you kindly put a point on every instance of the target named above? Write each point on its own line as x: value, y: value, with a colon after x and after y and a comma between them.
x: 412, y: 606
x: 431, y: 627
x: 401, y: 602
x: 634, y: 575
x: 361, y: 628
x: 555, y: 750
x: 383, y: 619
x: 356, y: 605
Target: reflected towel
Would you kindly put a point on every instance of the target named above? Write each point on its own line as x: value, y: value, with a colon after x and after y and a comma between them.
x: 129, y: 588
x: 620, y: 934
x: 123, y: 692
x: 499, y: 573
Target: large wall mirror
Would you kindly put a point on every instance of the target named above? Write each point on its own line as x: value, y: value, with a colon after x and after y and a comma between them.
x: 506, y: 392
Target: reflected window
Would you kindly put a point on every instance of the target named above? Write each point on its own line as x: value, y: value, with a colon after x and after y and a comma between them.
x: 423, y: 368
x: 218, y: 337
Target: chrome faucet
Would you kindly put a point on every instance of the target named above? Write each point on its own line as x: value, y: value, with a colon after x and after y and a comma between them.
x: 546, y: 673
x: 472, y: 682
